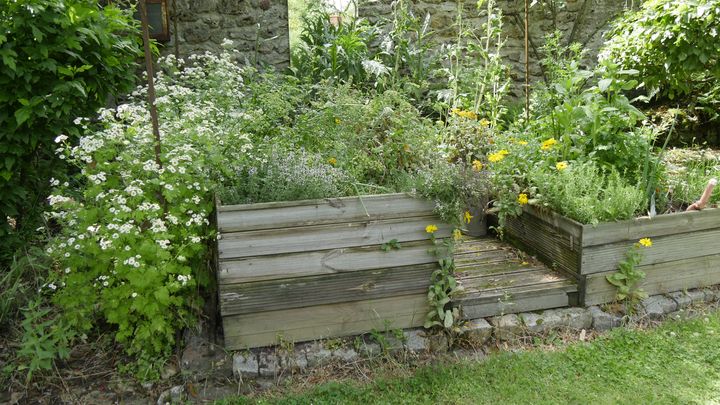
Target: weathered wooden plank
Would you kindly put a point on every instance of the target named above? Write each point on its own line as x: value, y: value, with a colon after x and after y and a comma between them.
x: 564, y: 224
x: 602, y: 258
x: 659, y: 278
x: 515, y: 300
x: 334, y: 261
x: 479, y: 282
x: 238, y: 218
x: 336, y: 236
x: 324, y: 321
x: 552, y: 244
x: 661, y: 225
x: 274, y: 295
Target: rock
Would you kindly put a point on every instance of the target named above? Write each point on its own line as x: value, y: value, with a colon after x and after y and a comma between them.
x: 477, y: 331
x: 174, y: 395
x: 507, y: 327
x: 469, y: 354
x: 370, y: 349
x: 709, y: 295
x: 534, y: 323
x: 170, y: 371
x: 245, y: 364
x: 269, y: 363
x: 575, y: 318
x: 295, y: 360
x: 602, y: 321
x: 438, y: 342
x: 415, y: 340
x: 345, y: 354
x: 658, y: 305
x: 316, y: 354
x: 696, y: 296
x: 681, y: 299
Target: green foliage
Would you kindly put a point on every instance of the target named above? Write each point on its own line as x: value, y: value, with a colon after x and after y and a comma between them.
x: 586, y: 193
x: 673, y: 44
x: 132, y: 247
x: 443, y: 285
x: 328, y: 51
x: 688, y: 173
x: 628, y: 277
x: 392, y: 244
x: 20, y: 281
x: 60, y: 59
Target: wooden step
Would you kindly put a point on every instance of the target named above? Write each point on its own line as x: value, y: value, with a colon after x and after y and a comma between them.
x: 497, y: 279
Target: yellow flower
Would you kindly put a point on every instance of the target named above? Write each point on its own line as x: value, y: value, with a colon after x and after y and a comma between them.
x: 477, y: 165
x: 548, y: 144
x: 457, y: 235
x: 467, y: 217
x: 464, y: 114
x: 431, y: 229
x: 521, y: 143
x: 647, y: 242
x: 561, y: 166
x: 484, y: 123
x: 337, y: 121
x: 498, y: 156
x: 522, y: 199
x: 332, y: 161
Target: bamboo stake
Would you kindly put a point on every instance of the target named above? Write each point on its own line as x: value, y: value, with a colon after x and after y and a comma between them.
x: 151, y: 80
x: 527, y: 64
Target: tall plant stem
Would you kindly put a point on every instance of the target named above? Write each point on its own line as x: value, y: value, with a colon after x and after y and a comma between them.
x: 527, y: 63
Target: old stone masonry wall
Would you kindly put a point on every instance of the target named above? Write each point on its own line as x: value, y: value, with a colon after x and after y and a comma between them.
x: 582, y: 21
x: 258, y: 28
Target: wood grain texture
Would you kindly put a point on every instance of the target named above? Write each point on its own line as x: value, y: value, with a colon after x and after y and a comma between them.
x: 333, y: 261
x: 335, y: 236
x: 324, y: 321
x: 245, y: 298
x: 660, y: 278
x: 515, y: 300
x: 603, y: 258
x: 249, y: 217
x: 645, y: 227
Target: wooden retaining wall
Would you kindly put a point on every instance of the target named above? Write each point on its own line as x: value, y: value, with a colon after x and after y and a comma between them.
x: 298, y: 271
x: 685, y: 252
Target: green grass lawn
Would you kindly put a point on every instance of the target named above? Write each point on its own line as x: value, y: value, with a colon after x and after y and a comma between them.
x: 677, y: 363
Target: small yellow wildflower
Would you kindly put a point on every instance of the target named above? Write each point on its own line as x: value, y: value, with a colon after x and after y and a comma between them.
x: 431, y: 229
x: 457, y: 235
x: 503, y: 152
x: 522, y: 199
x: 332, y: 161
x: 477, y: 165
x: 464, y: 114
x: 523, y: 143
x: 467, y: 217
x: 546, y: 145
x: 484, y: 123
x: 647, y: 242
x: 337, y: 121
x: 498, y: 156
x: 561, y: 165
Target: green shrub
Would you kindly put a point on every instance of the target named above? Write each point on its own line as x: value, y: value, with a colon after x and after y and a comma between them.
x: 60, y: 59
x: 673, y: 44
x: 586, y: 193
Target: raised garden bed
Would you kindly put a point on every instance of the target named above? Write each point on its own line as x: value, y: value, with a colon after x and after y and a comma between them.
x: 685, y: 252
x: 299, y: 271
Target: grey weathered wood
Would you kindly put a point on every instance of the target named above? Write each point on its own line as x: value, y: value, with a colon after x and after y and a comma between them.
x: 334, y: 261
x: 603, y: 258
x: 661, y: 225
x: 515, y: 300
x: 479, y: 282
x: 324, y: 321
x: 564, y: 224
x: 299, y: 292
x: 251, y: 217
x: 552, y: 244
x: 335, y: 236
x: 660, y: 278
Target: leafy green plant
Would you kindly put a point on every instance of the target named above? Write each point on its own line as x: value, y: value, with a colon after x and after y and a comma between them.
x: 627, y: 278
x: 586, y: 193
x: 443, y: 285
x: 60, y: 59
x: 392, y: 244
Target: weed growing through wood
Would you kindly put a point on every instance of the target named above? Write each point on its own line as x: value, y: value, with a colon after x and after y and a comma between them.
x: 628, y: 277
x: 443, y: 284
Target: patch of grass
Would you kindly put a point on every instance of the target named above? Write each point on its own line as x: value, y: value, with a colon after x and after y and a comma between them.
x: 677, y: 363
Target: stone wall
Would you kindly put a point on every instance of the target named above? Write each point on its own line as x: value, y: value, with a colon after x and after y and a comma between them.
x: 258, y: 28
x: 583, y: 21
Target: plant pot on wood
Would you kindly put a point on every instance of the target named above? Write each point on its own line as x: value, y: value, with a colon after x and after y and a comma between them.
x: 685, y: 252
x: 478, y: 223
